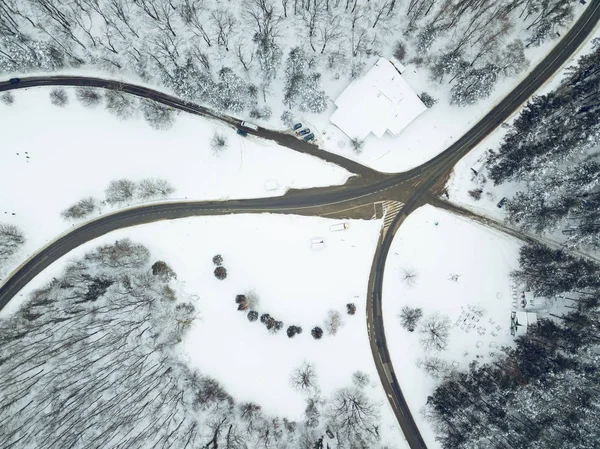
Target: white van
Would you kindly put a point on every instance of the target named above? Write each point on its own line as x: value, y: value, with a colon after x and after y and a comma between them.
x: 249, y: 125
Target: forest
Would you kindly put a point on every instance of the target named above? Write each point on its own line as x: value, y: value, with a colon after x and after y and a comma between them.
x: 90, y: 360
x: 544, y: 391
x: 239, y: 56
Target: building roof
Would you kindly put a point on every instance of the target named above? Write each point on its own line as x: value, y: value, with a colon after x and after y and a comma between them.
x: 379, y: 101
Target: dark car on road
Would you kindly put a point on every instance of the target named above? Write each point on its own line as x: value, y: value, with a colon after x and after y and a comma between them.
x: 297, y: 126
x: 14, y: 80
x: 241, y: 132
x: 309, y: 137
x: 502, y: 202
x: 304, y: 132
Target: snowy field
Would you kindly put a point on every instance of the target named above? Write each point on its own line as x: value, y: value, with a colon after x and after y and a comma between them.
x: 272, y: 255
x: 482, y: 259
x: 463, y: 179
x: 53, y: 157
x: 433, y: 131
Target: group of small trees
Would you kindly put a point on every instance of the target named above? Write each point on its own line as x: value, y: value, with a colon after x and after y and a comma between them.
x: 11, y: 239
x: 434, y: 330
x: 220, y: 271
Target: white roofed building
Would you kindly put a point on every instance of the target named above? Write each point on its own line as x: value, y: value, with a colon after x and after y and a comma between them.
x: 379, y: 101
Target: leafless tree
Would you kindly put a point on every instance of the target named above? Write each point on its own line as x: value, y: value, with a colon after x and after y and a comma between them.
x: 88, y: 96
x: 304, y: 377
x: 58, y: 97
x: 11, y: 239
x: 80, y: 209
x: 333, y: 322
x: 409, y: 317
x: 157, y: 115
x: 7, y: 98
x: 194, y: 14
x: 435, y: 331
x: 154, y: 188
x: 119, y: 103
x: 410, y: 276
x: 354, y: 418
x: 223, y: 23
x: 251, y: 415
x: 218, y: 143
x: 434, y: 366
x: 120, y: 191
x: 360, y: 379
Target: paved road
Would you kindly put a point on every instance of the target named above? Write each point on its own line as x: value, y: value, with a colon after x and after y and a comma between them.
x: 411, y: 188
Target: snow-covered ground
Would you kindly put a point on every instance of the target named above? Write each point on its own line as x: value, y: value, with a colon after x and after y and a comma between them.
x: 432, y: 132
x: 463, y: 179
x: 272, y: 255
x: 74, y: 152
x: 482, y: 259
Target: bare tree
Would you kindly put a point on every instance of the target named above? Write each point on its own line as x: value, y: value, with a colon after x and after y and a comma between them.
x: 58, y: 97
x: 304, y: 377
x: 120, y: 191
x: 7, y: 98
x: 435, y: 331
x: 80, y: 209
x: 157, y: 115
x: 354, y: 418
x: 409, y: 317
x: 434, y: 366
x: 88, y: 96
x: 410, y: 276
x: 360, y: 379
x: 119, y: 103
x: 218, y: 142
x: 154, y: 188
x: 333, y: 322
x: 224, y: 23
x: 11, y: 239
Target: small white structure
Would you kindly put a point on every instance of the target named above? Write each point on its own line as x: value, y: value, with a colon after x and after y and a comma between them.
x: 522, y: 321
x: 379, y: 101
x: 317, y: 243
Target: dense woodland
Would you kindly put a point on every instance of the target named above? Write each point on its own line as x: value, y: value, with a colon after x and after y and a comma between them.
x: 239, y: 55
x: 552, y: 148
x: 91, y: 361
x: 544, y: 392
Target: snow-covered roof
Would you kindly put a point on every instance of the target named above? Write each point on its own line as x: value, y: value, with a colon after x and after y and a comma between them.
x: 378, y: 102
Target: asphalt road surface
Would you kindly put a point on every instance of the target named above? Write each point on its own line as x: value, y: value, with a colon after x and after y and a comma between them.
x: 413, y: 188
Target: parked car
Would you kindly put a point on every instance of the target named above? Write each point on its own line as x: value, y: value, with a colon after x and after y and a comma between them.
x: 502, y: 202
x: 297, y: 126
x: 309, y: 137
x: 14, y: 80
x: 304, y: 132
x: 241, y: 132
x: 249, y: 126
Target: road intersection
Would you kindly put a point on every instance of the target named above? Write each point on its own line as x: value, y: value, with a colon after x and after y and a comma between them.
x: 400, y: 194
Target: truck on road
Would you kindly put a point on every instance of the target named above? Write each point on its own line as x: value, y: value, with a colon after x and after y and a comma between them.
x: 249, y: 125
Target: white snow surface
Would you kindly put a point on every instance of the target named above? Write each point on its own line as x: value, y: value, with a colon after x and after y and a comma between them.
x: 377, y: 102
x: 75, y: 152
x: 272, y: 255
x: 483, y: 260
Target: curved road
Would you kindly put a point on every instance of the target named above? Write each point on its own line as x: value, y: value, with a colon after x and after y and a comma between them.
x: 411, y: 188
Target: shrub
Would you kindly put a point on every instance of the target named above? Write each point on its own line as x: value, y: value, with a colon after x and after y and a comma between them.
x: 220, y: 273
x: 351, y: 308
x: 218, y: 143
x: 162, y: 270
x: 475, y: 194
x: 427, y: 99
x: 264, y: 318
x: 252, y: 316
x: 316, y: 332
x: 263, y: 112
x: 357, y: 145
x: 242, y: 302
x: 58, y: 97
x: 400, y: 51
x: 218, y: 260
x: 293, y: 330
